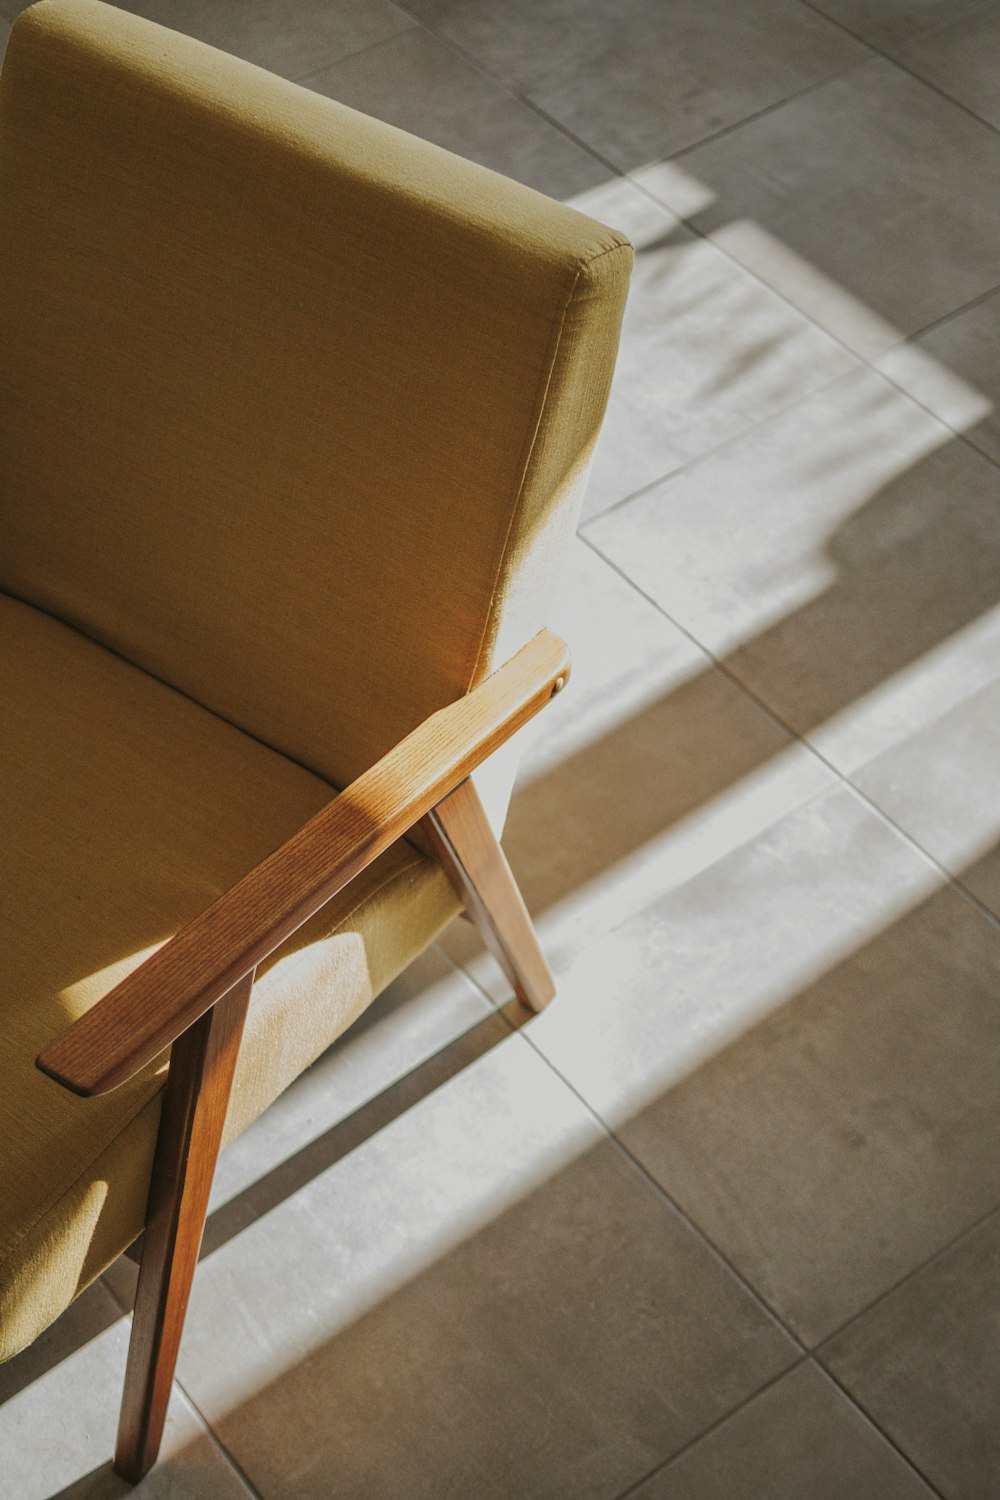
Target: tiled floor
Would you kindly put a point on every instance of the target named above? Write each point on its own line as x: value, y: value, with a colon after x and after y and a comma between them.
x: 724, y: 1222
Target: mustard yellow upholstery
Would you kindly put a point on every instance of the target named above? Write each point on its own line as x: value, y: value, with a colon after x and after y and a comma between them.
x: 295, y: 411
x: 329, y: 389
x: 125, y: 808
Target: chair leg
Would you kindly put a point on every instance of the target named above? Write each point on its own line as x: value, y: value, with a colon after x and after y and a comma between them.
x: 459, y: 833
x: 194, y: 1111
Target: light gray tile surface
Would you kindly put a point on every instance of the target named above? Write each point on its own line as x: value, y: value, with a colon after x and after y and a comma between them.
x: 940, y: 787
x: 422, y: 1011
x: 868, y: 203
x: 293, y: 37
x: 706, y: 351
x: 954, y: 370
x: 924, y: 1364
x: 417, y: 82
x: 886, y: 22
x: 844, y: 559
x: 649, y: 767
x: 961, y: 60
x: 799, y: 1438
x: 638, y: 80
x: 483, y: 1298
x: 772, y: 1042
x: 59, y: 1414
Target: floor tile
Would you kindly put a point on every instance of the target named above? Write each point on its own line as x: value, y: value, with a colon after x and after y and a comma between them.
x: 923, y: 1364
x: 638, y: 81
x: 652, y: 1002
x: 369, y: 1073
x: 842, y: 558
x: 484, y: 1299
x: 650, y: 766
x: 417, y: 82
x: 954, y: 370
x: 885, y: 22
x: 57, y: 1427
x: 292, y: 38
x: 940, y: 786
x: 801, y: 1046
x: 706, y: 351
x: 425, y: 1009
x: 868, y: 203
x: 961, y: 60
x: 801, y: 1437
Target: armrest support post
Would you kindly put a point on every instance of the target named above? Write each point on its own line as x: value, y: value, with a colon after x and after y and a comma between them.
x: 151, y: 1007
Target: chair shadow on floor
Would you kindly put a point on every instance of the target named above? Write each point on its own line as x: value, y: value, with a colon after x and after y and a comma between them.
x: 893, y: 600
x: 583, y: 1287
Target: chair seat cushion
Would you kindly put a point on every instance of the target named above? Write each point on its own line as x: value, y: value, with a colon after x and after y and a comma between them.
x: 125, y: 808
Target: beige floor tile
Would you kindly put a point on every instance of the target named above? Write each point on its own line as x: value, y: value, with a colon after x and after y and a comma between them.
x: 373, y: 1072
x: 638, y: 80
x: 425, y: 1009
x: 954, y: 370
x: 59, y: 1414
x: 800, y: 1438
x: 924, y: 1364
x: 484, y: 1299
x: 649, y: 767
x: 801, y: 1047
x: 939, y: 786
x: 417, y: 82
x: 706, y: 351
x: 960, y: 59
x: 885, y: 22
x: 644, y: 1007
x: 868, y: 203
x: 290, y: 37
x: 843, y: 559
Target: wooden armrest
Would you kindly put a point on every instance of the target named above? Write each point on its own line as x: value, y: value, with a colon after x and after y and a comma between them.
x: 158, y: 1001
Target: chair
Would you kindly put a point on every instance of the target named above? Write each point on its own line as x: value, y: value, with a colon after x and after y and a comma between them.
x: 295, y: 411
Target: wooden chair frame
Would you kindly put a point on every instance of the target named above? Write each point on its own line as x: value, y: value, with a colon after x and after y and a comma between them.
x: 193, y: 993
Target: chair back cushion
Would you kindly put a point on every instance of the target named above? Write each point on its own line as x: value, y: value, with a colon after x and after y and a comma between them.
x: 295, y: 408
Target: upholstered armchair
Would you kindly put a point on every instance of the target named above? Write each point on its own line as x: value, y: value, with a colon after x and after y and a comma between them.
x: 295, y: 411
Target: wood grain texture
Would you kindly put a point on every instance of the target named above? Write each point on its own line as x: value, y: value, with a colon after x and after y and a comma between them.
x: 459, y: 832
x: 194, y: 1111
x: 136, y: 1021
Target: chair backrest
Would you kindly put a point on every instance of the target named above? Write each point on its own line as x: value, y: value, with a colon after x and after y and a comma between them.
x: 294, y: 408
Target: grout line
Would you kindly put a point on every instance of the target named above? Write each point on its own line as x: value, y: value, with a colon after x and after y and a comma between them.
x: 869, y: 1421
x: 660, y: 1191
x: 303, y: 79
x: 926, y: 34
x: 641, y: 1171
x: 769, y: 286
x: 948, y: 878
x: 804, y: 1352
x: 770, y: 109
x: 936, y: 323
x: 824, y: 1374
x: 903, y: 1280
x: 510, y: 88
x: 635, y: 1488
x: 218, y: 1444
x: 958, y: 435
x: 735, y: 437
